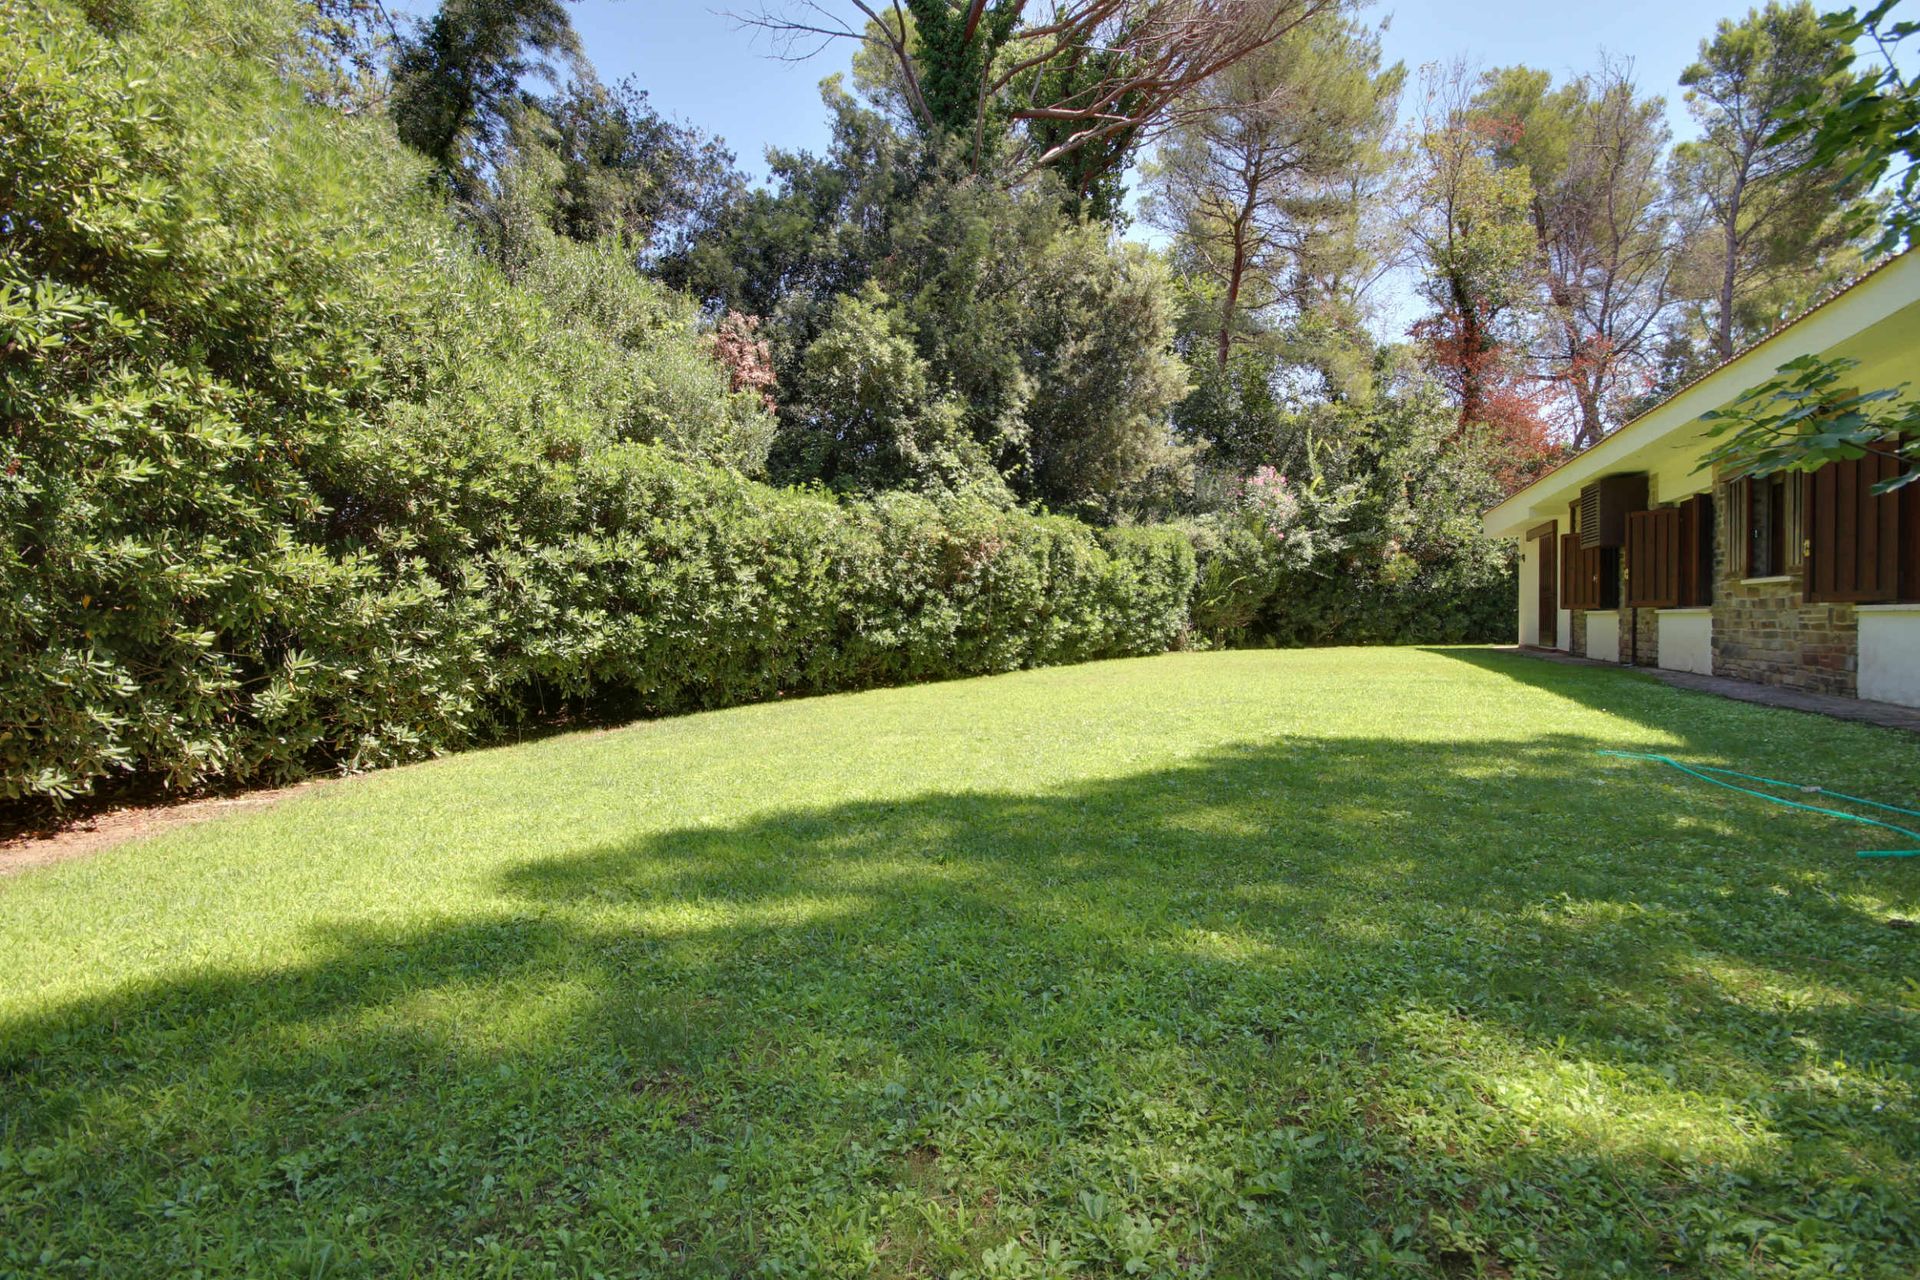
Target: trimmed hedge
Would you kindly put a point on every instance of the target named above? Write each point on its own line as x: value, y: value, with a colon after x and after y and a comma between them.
x: 690, y: 587
x: 668, y: 587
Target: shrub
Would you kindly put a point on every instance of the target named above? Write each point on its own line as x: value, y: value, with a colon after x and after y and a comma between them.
x: 1388, y: 551
x: 292, y: 479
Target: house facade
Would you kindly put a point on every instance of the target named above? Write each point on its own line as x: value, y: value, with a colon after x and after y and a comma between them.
x: 1631, y: 552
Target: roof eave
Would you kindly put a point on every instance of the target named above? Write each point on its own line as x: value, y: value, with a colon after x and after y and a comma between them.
x: 1675, y: 421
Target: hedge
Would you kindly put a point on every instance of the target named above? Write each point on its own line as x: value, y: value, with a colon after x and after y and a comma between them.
x: 292, y: 479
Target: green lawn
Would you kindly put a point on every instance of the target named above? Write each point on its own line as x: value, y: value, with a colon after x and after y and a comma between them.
x: 1344, y: 962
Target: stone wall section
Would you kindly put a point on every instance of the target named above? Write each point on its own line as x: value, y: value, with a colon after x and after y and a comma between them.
x: 1643, y: 649
x: 1764, y: 630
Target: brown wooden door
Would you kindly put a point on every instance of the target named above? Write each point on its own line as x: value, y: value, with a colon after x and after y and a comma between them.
x: 1549, y: 584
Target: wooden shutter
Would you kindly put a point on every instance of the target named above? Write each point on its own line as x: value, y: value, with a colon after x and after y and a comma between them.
x: 1909, y: 541
x: 1696, y: 550
x: 1653, y: 558
x: 1853, y: 534
x: 1605, y: 505
x: 1588, y: 577
x: 1548, y: 590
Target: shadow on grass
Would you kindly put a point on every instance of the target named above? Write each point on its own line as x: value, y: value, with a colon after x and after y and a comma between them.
x: 1387, y: 1007
x: 1641, y: 696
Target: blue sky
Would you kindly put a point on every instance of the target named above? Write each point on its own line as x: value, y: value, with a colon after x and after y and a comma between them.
x: 699, y: 66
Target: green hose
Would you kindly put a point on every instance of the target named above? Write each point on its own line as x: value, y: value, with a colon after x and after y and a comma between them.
x: 1702, y: 771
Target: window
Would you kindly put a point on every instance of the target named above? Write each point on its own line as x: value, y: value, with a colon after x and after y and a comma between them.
x: 1763, y: 536
x: 1768, y: 533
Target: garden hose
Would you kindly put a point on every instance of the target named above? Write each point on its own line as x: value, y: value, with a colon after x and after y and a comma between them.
x: 1703, y: 773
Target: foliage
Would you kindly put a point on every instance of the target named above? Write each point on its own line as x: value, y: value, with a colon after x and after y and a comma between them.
x: 746, y: 356
x: 1377, y: 542
x: 296, y: 480
x: 456, y: 79
x: 1767, y: 211
x: 646, y: 368
x: 1344, y: 962
x: 864, y: 415
x: 1089, y: 158
x: 1476, y: 245
x: 1392, y: 523
x: 950, y: 61
x: 1074, y: 89
x: 1095, y: 338
x: 819, y: 227
x: 1046, y: 340
x: 626, y: 171
x: 1809, y: 414
x: 1236, y: 415
x: 1805, y: 416
x: 342, y: 57
x: 1265, y: 178
x: 1593, y: 151
x: 1872, y: 127
x: 1242, y: 551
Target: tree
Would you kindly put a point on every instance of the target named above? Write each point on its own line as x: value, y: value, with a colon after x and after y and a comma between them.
x: 1592, y: 151
x: 1767, y: 210
x: 1873, y: 125
x: 820, y: 228
x: 1043, y: 345
x: 1812, y: 412
x: 1097, y: 354
x: 625, y: 170
x: 866, y: 414
x: 456, y: 80
x: 342, y: 54
x: 1054, y: 338
x: 1470, y: 228
x: 1259, y: 177
x: 1078, y: 89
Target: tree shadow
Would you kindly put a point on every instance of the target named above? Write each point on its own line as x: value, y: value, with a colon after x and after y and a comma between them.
x: 1699, y: 720
x: 1387, y: 1007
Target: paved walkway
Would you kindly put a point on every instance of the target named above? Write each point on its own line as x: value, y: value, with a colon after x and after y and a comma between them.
x: 1886, y: 714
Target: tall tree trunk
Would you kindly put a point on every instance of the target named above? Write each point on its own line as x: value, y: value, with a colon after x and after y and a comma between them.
x: 1237, y: 275
x: 1469, y: 335
x: 1586, y: 393
x: 1729, y: 272
x: 1234, y: 277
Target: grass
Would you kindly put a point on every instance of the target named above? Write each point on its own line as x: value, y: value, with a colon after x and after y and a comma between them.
x: 1329, y: 963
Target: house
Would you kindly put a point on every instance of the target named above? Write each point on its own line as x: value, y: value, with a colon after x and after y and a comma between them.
x: 1630, y: 552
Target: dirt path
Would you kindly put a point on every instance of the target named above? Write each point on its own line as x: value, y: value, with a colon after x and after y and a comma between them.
x: 100, y: 831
